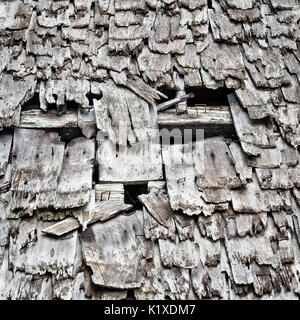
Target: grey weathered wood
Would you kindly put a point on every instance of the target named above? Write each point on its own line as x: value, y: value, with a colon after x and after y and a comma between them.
x: 180, y: 175
x: 5, y: 147
x: 50, y: 119
x: 143, y: 90
x: 172, y: 283
x: 14, y: 93
x: 184, y: 226
x: 278, y: 178
x: 112, y: 114
x: 257, y: 102
x: 252, y: 135
x: 160, y: 209
x: 62, y: 227
x: 154, y: 65
x: 180, y: 254
x: 103, y: 210
x: 153, y: 230
x: 56, y: 256
x: 111, y: 251
x: 37, y: 161
x: 205, y: 117
x: 240, y: 162
x: 212, y: 227
x: 75, y: 181
x: 215, y: 173
x: 87, y: 122
x: 109, y: 191
x: 222, y: 61
x: 172, y: 102
x: 138, y: 163
x: 249, y: 199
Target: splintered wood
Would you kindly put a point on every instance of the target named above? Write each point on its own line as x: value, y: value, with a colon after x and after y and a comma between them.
x: 102, y: 211
x: 37, y: 162
x: 45, y: 175
x: 111, y: 250
x: 75, y: 181
x: 200, y: 175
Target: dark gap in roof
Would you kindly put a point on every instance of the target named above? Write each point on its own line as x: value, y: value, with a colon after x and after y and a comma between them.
x: 72, y: 105
x: 203, y: 96
x: 68, y: 134
x: 170, y: 93
x: 92, y: 96
x: 209, y: 4
x: 132, y: 191
x: 145, y: 40
x: 95, y: 171
x: 33, y: 103
x: 210, y: 130
x: 51, y: 106
x: 61, y: 109
x: 209, y: 97
x: 93, y: 7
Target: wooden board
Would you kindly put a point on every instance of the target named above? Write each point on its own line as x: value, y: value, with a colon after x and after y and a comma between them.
x: 110, y: 249
x: 252, y: 135
x: 180, y: 254
x: 139, y: 163
x: 160, y: 209
x: 37, y: 162
x: 75, y: 180
x: 14, y: 93
x: 55, y: 256
x: 181, y: 177
x: 102, y: 211
x: 42, y: 120
x: 109, y: 191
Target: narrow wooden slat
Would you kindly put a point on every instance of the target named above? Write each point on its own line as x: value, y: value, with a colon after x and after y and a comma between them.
x: 103, y: 211
x: 39, y: 119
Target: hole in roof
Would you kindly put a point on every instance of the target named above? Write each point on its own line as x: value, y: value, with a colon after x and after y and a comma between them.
x: 132, y: 191
x: 209, y: 97
x: 33, y: 103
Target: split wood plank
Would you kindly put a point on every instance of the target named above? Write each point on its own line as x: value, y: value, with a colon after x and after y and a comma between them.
x: 75, y: 180
x: 195, y: 116
x: 13, y: 94
x: 111, y: 250
x: 103, y: 211
x: 252, y: 135
x: 160, y: 209
x: 180, y: 175
x: 55, y: 255
x: 37, y: 162
x: 215, y: 173
x: 43, y: 120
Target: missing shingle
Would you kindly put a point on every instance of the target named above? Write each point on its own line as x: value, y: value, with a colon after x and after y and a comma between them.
x: 132, y: 191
